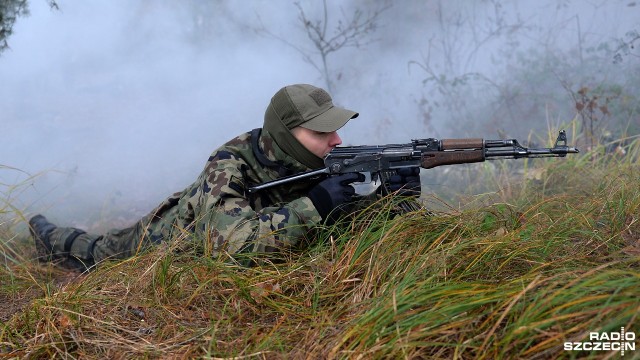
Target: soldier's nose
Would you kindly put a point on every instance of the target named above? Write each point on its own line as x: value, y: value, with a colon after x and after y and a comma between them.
x: 336, y: 140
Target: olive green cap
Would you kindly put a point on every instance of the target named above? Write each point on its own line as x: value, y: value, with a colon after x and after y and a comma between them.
x: 310, y: 107
x: 306, y: 106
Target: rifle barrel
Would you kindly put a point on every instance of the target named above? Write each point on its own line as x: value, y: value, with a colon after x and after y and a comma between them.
x: 519, y: 152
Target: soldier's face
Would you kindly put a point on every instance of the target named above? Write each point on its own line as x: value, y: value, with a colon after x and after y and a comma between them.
x: 319, y: 143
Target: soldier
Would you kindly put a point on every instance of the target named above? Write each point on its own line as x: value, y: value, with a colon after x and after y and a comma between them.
x: 300, y: 128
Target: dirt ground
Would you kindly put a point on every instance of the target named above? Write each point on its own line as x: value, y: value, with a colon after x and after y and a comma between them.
x: 14, y: 301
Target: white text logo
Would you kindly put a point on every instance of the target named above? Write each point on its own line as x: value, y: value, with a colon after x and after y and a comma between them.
x: 614, y: 341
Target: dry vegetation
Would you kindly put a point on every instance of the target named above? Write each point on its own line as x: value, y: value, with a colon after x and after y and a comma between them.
x: 533, y: 267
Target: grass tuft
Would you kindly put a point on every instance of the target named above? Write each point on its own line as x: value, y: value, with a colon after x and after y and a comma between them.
x: 540, y: 262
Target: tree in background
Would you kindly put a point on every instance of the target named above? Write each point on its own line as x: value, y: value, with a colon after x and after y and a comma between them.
x: 538, y: 77
x: 327, y: 36
x: 460, y: 35
x: 9, y: 12
x: 548, y: 85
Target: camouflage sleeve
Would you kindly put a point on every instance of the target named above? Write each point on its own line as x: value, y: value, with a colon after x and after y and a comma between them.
x: 229, y: 223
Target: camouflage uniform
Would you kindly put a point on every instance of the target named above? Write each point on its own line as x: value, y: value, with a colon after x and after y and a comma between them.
x: 217, y: 212
x: 216, y: 208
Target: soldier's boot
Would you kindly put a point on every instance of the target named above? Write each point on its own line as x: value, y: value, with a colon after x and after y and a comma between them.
x: 69, y: 248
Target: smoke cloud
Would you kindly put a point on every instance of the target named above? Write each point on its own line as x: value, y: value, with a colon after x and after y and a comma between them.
x: 107, y: 107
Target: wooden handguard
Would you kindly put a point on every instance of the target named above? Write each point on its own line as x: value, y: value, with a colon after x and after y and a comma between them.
x: 453, y: 144
x: 432, y: 159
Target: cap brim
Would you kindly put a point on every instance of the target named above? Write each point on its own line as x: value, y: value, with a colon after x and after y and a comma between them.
x: 330, y: 120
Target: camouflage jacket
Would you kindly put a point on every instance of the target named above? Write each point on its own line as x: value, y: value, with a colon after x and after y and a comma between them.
x: 217, y: 210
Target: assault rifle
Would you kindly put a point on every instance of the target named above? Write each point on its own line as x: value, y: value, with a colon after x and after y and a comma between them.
x: 382, y: 161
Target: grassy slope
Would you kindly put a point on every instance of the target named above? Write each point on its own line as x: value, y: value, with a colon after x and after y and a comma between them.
x: 538, y: 266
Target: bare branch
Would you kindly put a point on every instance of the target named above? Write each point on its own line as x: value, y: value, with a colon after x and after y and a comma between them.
x: 350, y: 31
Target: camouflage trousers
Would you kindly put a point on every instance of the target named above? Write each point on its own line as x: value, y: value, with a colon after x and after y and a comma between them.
x: 151, y: 230
x: 93, y: 248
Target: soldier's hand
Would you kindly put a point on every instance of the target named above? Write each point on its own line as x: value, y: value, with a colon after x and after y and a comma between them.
x: 406, y: 182
x: 333, y: 196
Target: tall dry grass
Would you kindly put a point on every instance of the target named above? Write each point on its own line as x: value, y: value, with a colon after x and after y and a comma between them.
x: 539, y: 262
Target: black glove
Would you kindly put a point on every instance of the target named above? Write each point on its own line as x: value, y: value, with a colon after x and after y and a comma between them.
x: 333, y: 196
x: 405, y: 182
